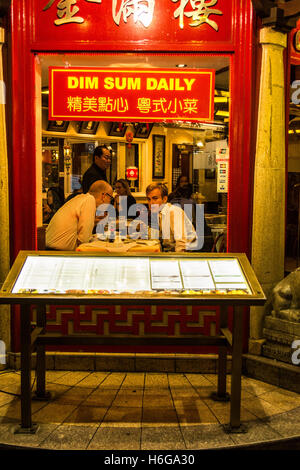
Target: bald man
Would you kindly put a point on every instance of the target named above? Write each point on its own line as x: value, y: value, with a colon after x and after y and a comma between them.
x: 73, y: 223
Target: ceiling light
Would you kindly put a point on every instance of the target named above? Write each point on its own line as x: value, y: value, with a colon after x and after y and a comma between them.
x: 222, y: 113
x: 181, y: 66
x: 220, y: 99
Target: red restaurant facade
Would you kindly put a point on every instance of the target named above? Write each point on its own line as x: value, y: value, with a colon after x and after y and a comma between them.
x: 133, y: 33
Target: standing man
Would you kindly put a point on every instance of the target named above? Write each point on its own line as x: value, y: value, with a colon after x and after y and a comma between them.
x: 73, y: 223
x: 97, y: 171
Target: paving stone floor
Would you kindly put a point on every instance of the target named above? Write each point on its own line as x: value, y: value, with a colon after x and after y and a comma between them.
x: 144, y: 411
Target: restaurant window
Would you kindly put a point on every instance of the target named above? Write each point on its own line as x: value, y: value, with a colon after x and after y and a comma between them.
x: 144, y: 152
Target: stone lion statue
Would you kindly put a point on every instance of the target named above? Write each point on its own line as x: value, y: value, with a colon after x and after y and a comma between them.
x: 284, y: 301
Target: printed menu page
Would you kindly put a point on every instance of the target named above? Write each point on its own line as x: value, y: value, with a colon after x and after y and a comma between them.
x: 120, y: 274
x: 196, y: 274
x: 227, y: 274
x: 59, y: 274
x: 165, y: 274
x: 45, y: 274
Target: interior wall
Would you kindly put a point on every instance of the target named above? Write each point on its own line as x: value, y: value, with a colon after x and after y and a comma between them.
x: 173, y: 136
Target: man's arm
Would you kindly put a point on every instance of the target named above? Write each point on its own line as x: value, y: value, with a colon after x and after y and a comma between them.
x: 182, y: 229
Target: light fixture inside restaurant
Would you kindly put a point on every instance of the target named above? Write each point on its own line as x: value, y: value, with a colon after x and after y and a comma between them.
x: 222, y: 113
x: 220, y: 99
x: 200, y: 143
x: 213, y: 126
x: 222, y: 93
x: 181, y: 66
x: 217, y: 126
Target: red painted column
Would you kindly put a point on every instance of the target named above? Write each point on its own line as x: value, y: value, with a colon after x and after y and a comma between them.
x: 242, y: 148
x: 22, y: 157
x: 23, y: 180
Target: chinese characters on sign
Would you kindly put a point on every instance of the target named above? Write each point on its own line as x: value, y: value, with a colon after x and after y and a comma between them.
x: 138, y: 95
x: 66, y: 11
x: 164, y: 106
x: 141, y: 10
x: 199, y: 11
x: 102, y: 104
x: 105, y: 104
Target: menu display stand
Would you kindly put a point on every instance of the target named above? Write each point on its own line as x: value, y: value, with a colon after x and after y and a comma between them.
x: 42, y: 278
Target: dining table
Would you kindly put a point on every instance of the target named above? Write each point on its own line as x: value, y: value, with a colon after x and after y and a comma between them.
x: 119, y: 245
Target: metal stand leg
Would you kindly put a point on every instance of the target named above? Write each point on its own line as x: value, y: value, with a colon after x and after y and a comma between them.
x: 221, y: 394
x: 235, y: 425
x: 41, y: 393
x: 26, y: 421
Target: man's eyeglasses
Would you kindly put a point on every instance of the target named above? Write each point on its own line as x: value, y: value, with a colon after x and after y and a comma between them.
x: 111, y: 197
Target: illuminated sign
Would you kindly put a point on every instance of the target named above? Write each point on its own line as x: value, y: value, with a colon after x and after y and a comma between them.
x: 107, y: 275
x: 222, y: 179
x: 144, y: 95
x: 132, y: 173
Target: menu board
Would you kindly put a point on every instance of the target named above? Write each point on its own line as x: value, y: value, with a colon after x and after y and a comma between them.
x: 130, y: 275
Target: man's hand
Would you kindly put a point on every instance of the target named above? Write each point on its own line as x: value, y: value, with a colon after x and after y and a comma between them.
x: 99, y: 218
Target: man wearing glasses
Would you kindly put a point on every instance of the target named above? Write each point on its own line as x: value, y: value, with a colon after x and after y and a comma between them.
x: 73, y: 223
x: 97, y: 171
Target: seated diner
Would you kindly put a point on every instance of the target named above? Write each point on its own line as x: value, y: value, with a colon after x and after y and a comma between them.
x: 169, y: 222
x: 123, y: 199
x: 73, y: 223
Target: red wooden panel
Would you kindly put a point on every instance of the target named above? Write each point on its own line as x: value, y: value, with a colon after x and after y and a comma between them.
x: 82, y: 24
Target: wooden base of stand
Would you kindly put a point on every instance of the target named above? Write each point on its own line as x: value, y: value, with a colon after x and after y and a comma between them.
x: 229, y: 429
x: 216, y: 397
x: 46, y: 397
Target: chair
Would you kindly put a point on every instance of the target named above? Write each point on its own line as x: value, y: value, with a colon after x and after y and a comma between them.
x: 41, y: 238
x: 219, y: 245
